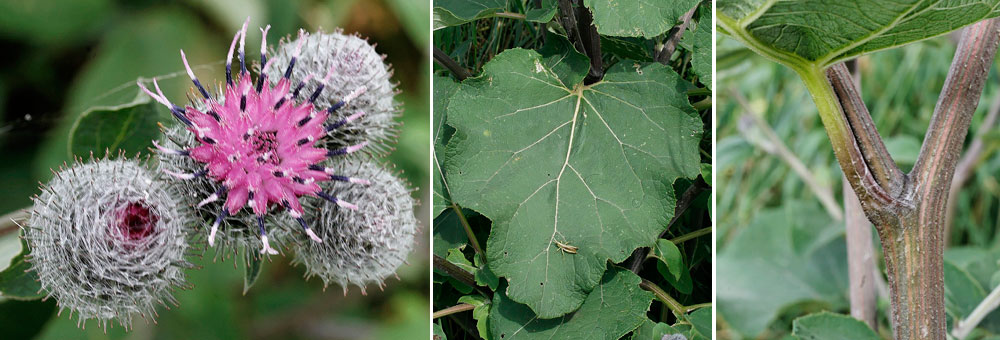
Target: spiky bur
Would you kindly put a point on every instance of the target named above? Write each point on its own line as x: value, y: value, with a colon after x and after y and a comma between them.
x: 260, y: 143
x: 357, y: 65
x: 107, y: 241
x: 365, y: 247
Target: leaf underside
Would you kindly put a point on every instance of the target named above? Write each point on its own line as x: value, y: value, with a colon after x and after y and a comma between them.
x: 827, y: 32
x: 560, y: 166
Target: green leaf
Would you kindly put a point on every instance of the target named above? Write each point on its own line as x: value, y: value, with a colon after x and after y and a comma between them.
x: 439, y: 332
x: 637, y: 49
x: 683, y: 283
x: 448, y: 232
x: 618, y: 305
x: 484, y: 276
x: 457, y: 258
x: 562, y: 169
x: 650, y: 330
x: 827, y: 32
x: 829, y: 326
x: 963, y: 292
x: 543, y: 14
x: 701, y: 319
x: 18, y: 281
x: 444, y: 88
x: 456, y: 12
x: 141, y: 44
x: 785, y: 256
x: 667, y: 252
x: 130, y: 128
x: 251, y: 271
x: 706, y: 173
x: 701, y: 42
x: 637, y: 18
x: 481, y: 313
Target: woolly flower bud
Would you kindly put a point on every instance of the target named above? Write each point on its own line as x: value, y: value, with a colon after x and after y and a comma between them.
x: 356, y: 66
x: 367, y: 245
x: 107, y: 241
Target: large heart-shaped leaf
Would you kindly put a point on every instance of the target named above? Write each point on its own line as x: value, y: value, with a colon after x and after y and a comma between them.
x: 617, y: 306
x: 571, y: 175
x: 635, y: 18
x: 826, y: 32
x: 129, y: 128
x: 829, y: 326
x: 785, y: 256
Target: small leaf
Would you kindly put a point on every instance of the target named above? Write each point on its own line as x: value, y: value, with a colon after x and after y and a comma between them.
x: 618, y: 305
x: 829, y: 326
x: 448, y: 232
x: 18, y: 281
x: 252, y: 270
x: 456, y: 257
x: 481, y: 313
x: 130, y: 127
x: 439, y: 332
x: 701, y: 46
x: 485, y: 276
x: 670, y: 256
x: 706, y: 173
x: 457, y: 12
x: 543, y: 14
x: 701, y: 319
x: 654, y: 331
x: 683, y: 284
x: 637, y: 18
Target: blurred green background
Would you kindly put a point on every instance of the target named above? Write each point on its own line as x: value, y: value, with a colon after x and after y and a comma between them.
x: 760, y: 195
x: 62, y: 57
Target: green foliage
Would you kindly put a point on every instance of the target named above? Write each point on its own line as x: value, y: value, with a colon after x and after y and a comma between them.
x: 130, y: 128
x: 17, y: 281
x: 566, y: 181
x: 547, y: 167
x: 638, y: 18
x: 618, y: 305
x: 829, y: 326
x: 785, y: 256
x: 457, y: 12
x: 829, y: 32
x: 73, y: 67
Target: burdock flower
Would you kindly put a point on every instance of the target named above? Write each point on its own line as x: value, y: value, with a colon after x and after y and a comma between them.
x: 367, y: 246
x: 107, y: 241
x: 259, y: 143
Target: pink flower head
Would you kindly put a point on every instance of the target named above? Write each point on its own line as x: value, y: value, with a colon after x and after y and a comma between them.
x: 258, y: 143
